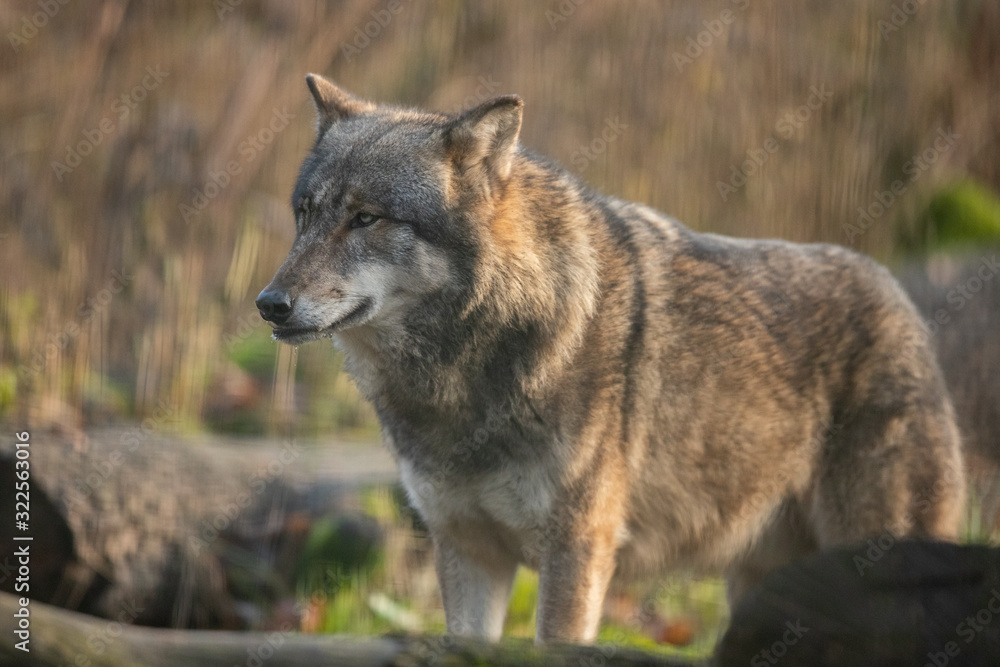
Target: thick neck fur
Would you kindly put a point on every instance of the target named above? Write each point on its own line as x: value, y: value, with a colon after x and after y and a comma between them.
x: 522, y: 294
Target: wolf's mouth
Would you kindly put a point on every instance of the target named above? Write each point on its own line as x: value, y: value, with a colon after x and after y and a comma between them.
x: 304, y: 334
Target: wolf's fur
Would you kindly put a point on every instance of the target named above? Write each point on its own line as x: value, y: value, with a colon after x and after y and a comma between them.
x: 585, y: 386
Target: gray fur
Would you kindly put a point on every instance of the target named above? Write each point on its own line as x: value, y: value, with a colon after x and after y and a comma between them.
x: 585, y: 386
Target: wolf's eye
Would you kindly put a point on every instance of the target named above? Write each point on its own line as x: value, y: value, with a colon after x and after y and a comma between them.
x: 363, y: 220
x: 305, y: 205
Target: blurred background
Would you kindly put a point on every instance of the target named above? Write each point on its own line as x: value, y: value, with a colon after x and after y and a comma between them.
x: 148, y: 151
x: 108, y: 170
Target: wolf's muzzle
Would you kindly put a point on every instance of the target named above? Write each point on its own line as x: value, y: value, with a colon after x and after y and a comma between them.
x: 274, y: 305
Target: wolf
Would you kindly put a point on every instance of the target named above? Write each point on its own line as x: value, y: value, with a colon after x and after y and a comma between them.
x: 584, y: 386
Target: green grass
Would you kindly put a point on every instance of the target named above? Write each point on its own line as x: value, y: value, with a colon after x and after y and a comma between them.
x: 367, y: 601
x: 961, y: 215
x: 521, y: 610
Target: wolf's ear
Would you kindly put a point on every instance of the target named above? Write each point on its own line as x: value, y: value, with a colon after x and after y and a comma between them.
x: 333, y: 103
x: 487, y: 135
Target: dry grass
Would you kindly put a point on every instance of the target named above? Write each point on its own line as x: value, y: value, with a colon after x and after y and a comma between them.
x: 183, y: 333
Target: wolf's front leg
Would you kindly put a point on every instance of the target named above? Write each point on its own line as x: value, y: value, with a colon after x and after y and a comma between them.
x: 474, y: 592
x: 578, y: 562
x: 572, y: 584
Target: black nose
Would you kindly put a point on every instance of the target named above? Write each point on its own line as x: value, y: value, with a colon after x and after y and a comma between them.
x: 274, y: 305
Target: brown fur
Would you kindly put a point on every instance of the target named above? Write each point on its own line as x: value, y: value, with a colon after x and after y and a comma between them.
x: 587, y: 387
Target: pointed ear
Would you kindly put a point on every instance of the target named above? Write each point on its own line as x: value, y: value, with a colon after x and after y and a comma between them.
x: 487, y: 135
x: 333, y: 103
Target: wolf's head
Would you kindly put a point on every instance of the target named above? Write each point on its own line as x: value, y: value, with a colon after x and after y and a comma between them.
x: 388, y: 209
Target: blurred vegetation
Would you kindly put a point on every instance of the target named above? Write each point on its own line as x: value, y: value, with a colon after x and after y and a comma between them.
x: 960, y: 215
x: 129, y: 278
x: 147, y: 152
x: 395, y: 590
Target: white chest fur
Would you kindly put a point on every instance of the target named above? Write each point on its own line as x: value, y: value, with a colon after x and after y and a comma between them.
x: 518, y: 497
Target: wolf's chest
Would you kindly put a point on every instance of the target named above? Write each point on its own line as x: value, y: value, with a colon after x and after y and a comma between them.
x: 519, y: 497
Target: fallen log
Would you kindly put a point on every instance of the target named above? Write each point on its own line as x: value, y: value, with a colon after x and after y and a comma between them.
x: 60, y: 637
x: 885, y: 603
x: 177, y: 533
